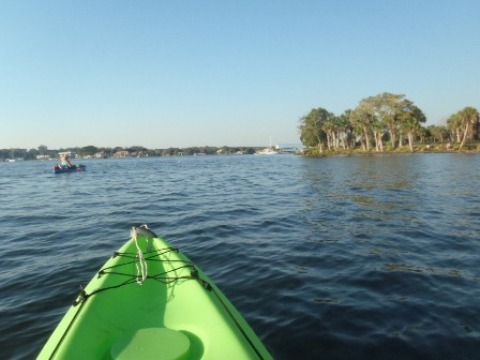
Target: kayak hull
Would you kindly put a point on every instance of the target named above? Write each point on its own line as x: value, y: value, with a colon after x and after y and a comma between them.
x: 176, y: 313
x: 58, y: 169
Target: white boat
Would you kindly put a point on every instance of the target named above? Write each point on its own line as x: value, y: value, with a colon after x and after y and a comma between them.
x: 267, y: 151
x: 12, y: 159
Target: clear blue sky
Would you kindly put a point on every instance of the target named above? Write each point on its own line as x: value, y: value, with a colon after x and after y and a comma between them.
x: 182, y: 73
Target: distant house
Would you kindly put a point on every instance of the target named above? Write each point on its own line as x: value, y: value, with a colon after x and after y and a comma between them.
x: 121, y: 153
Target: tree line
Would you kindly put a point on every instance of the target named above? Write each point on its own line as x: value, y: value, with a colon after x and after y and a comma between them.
x: 385, y: 122
x: 44, y: 152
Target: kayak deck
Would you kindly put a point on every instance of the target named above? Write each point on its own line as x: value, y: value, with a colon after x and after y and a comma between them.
x: 176, y: 313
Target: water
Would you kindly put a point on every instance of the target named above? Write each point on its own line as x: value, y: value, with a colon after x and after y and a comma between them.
x: 358, y: 257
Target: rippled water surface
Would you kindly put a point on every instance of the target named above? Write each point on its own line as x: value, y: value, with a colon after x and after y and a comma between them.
x: 358, y: 257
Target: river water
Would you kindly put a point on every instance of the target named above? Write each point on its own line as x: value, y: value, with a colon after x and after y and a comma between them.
x: 355, y: 257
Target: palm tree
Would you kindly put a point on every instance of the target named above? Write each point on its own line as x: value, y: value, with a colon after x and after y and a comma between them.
x: 410, y: 121
x: 454, y: 123
x: 331, y: 127
x: 387, y: 107
x: 412, y: 124
x: 362, y: 121
x: 469, y: 119
x: 345, y: 129
x: 439, y: 133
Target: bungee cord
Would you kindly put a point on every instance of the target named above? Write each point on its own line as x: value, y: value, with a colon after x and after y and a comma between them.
x: 174, y: 271
x: 164, y: 277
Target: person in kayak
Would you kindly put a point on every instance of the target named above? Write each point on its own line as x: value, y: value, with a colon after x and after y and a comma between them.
x: 65, y: 161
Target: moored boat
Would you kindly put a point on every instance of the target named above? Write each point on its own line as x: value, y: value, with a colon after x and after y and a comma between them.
x: 267, y: 151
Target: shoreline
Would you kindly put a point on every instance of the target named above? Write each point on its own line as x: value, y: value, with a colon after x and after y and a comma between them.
x: 425, y: 149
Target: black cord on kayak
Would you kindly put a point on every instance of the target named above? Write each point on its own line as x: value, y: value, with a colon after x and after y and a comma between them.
x: 205, y: 284
x: 81, y: 297
x: 161, y: 277
x: 152, y: 255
